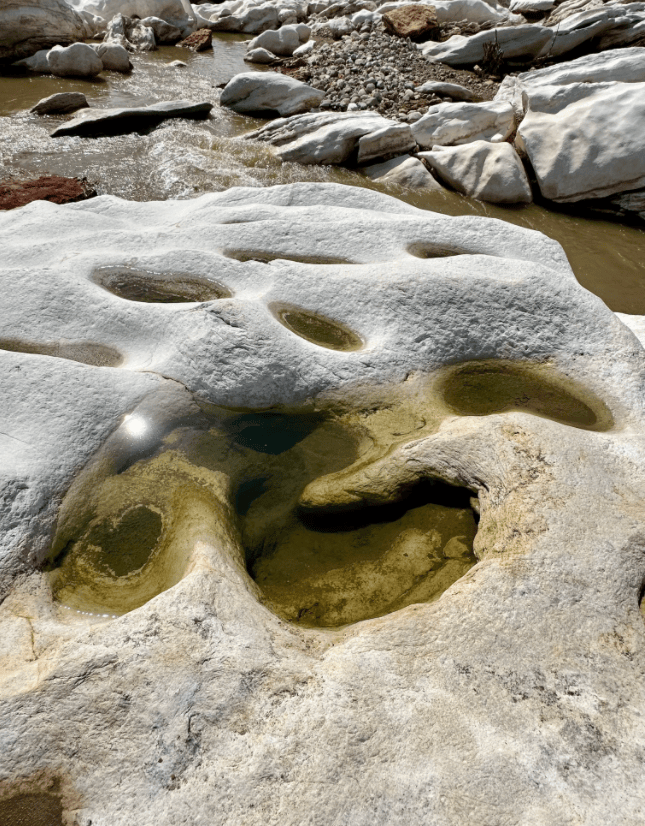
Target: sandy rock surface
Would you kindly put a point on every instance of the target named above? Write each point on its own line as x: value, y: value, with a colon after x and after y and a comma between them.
x: 514, y: 698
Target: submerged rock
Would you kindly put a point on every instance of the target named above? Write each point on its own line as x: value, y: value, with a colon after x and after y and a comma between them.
x: 129, y: 119
x: 198, y: 41
x: 331, y: 354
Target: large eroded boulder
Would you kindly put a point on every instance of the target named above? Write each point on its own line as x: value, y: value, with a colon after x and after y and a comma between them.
x: 585, y: 140
x: 487, y: 171
x: 27, y: 27
x: 77, y: 60
x: 449, y: 124
x: 231, y: 593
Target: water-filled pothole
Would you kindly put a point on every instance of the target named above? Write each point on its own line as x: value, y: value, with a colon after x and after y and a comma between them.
x: 335, y: 568
x: 429, y: 250
x: 481, y: 388
x: 32, y: 809
x: 84, y: 352
x: 160, y: 488
x: 158, y: 288
x: 317, y: 328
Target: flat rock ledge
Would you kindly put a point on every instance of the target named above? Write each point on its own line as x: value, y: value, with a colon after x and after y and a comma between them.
x: 128, y: 119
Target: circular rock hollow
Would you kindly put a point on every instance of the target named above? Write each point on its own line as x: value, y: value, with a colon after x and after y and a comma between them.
x: 482, y: 388
x: 158, y: 288
x: 316, y: 328
x: 428, y: 250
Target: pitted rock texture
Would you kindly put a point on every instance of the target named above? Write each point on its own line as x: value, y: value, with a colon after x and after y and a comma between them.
x: 514, y: 698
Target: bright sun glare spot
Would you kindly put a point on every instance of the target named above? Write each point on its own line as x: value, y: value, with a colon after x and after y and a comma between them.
x: 135, y: 425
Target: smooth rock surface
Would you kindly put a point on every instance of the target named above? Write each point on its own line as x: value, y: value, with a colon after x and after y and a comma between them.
x: 403, y: 171
x: 283, y: 41
x: 62, y: 103
x: 515, y: 698
x: 77, y: 60
x: 128, y: 119
x: 453, y: 90
x: 250, y: 20
x: 114, y: 57
x: 585, y: 140
x: 321, y: 138
x: 487, y: 171
x: 29, y: 27
x: 524, y: 41
x: 449, y: 124
x: 394, y: 139
x: 269, y: 92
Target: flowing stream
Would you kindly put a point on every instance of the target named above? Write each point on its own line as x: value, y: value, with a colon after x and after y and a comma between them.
x: 183, y: 159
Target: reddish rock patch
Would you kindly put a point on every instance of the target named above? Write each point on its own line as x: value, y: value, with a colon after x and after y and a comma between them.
x: 198, y: 41
x: 416, y: 22
x: 52, y: 188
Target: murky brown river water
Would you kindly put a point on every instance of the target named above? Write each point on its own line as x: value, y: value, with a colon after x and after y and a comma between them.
x: 181, y: 159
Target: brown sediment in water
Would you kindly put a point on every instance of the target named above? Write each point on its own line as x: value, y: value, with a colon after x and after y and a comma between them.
x: 158, y: 288
x: 39, y: 800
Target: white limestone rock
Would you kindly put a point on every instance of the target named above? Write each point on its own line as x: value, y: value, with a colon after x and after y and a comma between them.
x: 450, y: 124
x: 486, y: 171
x: 283, y: 41
x: 515, y: 698
x: 585, y: 140
x: 269, y: 92
x: 249, y: 20
x: 36, y: 63
x: 321, y: 137
x: 340, y: 26
x: 531, y: 6
x: 521, y: 42
x: 130, y: 33
x: 259, y: 56
x: 175, y: 12
x: 403, y: 171
x: 470, y: 11
x: 114, y: 57
x: 393, y: 139
x: 165, y: 33
x: 77, y: 60
x: 305, y: 49
x: 623, y: 65
x: 36, y: 25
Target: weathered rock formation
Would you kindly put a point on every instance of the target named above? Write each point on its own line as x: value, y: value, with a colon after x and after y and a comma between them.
x: 158, y: 667
x: 27, y: 27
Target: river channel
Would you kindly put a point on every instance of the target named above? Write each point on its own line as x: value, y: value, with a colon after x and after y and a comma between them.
x: 183, y: 159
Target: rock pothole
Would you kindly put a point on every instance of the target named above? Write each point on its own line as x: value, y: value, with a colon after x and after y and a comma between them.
x: 84, y: 352
x: 316, y: 328
x: 158, y: 288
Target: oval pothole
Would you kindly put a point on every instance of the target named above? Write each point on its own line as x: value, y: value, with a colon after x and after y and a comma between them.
x: 482, y: 388
x: 150, y: 287
x: 427, y: 250
x: 84, y: 352
x: 330, y: 569
x: 317, y: 328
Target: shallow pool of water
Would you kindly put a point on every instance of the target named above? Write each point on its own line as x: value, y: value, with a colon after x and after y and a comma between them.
x: 183, y: 159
